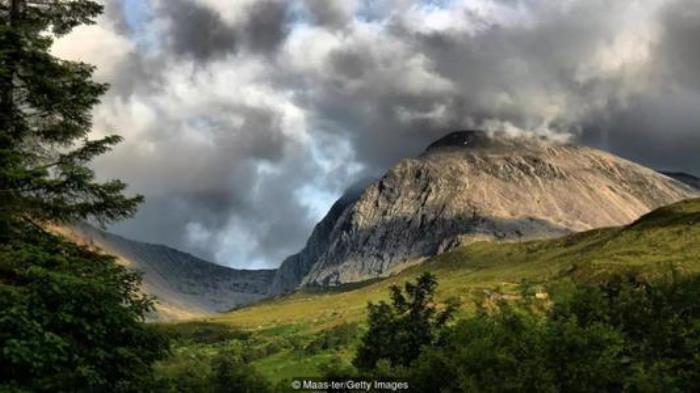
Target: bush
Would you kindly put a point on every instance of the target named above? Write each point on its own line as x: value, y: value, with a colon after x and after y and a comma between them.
x: 71, y: 319
x: 231, y: 374
x: 334, y: 338
x: 626, y: 334
x: 399, y: 331
x: 201, y: 332
x: 227, y: 371
x: 659, y: 320
x: 515, y: 351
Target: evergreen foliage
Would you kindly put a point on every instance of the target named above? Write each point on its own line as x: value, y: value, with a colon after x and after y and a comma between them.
x: 70, y: 318
x: 45, y: 118
x: 398, y: 331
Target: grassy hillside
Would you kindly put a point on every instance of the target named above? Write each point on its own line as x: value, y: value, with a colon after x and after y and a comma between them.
x: 282, y: 328
x: 668, y: 235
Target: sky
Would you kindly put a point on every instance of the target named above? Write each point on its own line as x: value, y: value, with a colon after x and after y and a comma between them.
x: 244, y: 120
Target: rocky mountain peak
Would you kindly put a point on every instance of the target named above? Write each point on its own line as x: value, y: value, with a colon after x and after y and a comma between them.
x: 463, y: 139
x: 472, y: 185
x: 477, y: 140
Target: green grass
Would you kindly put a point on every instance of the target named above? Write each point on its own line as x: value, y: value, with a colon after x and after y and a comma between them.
x: 278, y: 353
x: 668, y: 236
x: 290, y: 365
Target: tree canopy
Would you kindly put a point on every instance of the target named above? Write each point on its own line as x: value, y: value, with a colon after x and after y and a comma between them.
x: 398, y: 331
x: 70, y: 317
x: 45, y: 119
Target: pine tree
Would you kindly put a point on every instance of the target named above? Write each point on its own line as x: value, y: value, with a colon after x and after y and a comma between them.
x: 45, y: 118
x: 71, y: 319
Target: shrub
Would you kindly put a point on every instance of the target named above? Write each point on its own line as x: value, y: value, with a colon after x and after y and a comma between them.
x: 334, y: 338
x: 399, y: 331
x: 71, y: 319
x: 625, y: 334
x: 201, y: 332
x: 227, y: 371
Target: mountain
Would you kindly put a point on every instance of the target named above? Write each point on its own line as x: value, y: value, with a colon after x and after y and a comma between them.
x: 185, y: 286
x: 465, y: 187
x: 294, y: 268
x: 686, y: 178
x: 469, y: 186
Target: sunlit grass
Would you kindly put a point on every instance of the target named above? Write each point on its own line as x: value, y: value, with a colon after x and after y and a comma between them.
x: 668, y: 236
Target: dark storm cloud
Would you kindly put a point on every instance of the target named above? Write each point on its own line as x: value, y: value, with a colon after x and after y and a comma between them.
x: 114, y: 12
x: 661, y: 127
x: 552, y: 74
x: 267, y: 25
x: 662, y: 132
x: 679, y: 47
x: 200, y: 32
x: 138, y: 75
x: 202, y: 181
x: 197, y: 31
x: 270, y: 221
x: 333, y: 14
x: 245, y: 119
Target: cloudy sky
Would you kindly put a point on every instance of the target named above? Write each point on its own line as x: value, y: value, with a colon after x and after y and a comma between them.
x: 245, y: 119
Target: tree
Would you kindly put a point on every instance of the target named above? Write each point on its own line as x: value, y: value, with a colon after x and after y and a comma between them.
x: 514, y: 349
x: 227, y: 371
x: 659, y: 319
x: 70, y: 318
x: 232, y: 374
x: 45, y: 105
x: 398, y: 332
x: 627, y: 333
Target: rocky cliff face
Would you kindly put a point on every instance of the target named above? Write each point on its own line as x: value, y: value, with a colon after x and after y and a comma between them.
x: 185, y: 286
x: 293, y: 269
x: 473, y: 186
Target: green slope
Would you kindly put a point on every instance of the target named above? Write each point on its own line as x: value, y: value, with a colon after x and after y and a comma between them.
x: 670, y: 235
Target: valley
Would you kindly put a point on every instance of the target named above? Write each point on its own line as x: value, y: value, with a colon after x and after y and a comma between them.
x: 186, y: 287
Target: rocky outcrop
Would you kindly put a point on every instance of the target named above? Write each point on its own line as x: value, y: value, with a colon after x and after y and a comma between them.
x: 471, y: 186
x: 295, y: 267
x: 185, y: 286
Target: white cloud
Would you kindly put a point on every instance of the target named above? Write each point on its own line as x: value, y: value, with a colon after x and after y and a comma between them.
x: 99, y: 45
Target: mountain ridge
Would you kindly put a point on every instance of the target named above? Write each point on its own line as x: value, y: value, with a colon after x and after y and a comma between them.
x: 465, y: 187
x: 683, y: 177
x: 186, y: 286
x: 663, y: 238
x: 471, y: 185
